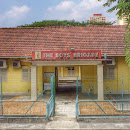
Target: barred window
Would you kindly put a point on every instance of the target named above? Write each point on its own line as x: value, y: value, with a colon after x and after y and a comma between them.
x: 109, y: 73
x: 71, y: 71
x: 3, y: 73
x: 26, y: 74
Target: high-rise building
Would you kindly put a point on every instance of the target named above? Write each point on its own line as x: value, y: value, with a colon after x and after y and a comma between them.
x: 97, y: 18
x: 123, y: 21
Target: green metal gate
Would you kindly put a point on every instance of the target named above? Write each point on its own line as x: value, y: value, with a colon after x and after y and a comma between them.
x: 29, y: 109
x: 101, y: 109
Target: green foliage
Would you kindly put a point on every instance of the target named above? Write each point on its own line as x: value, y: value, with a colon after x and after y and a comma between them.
x: 46, y: 23
x: 123, y: 7
x: 127, y: 45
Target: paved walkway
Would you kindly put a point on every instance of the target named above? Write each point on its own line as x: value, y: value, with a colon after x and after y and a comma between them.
x: 64, y: 112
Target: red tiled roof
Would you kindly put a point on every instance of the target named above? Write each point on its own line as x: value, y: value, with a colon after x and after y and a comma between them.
x: 22, y: 41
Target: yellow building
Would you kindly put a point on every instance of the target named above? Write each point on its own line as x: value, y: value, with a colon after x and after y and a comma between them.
x: 94, y: 54
x: 122, y: 21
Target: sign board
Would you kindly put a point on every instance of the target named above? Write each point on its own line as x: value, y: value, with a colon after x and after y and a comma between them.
x: 62, y: 55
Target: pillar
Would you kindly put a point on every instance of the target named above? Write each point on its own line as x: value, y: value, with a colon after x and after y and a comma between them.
x: 79, y: 72
x: 62, y: 72
x: 33, y: 82
x: 100, y: 82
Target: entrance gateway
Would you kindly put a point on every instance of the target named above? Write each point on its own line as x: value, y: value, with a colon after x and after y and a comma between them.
x: 67, y: 60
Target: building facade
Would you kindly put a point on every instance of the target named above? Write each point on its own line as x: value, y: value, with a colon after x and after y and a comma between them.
x: 97, y: 18
x: 122, y: 21
x: 94, y: 54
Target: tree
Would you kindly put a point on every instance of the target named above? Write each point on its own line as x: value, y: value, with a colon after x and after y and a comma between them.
x: 123, y: 10
x: 46, y: 23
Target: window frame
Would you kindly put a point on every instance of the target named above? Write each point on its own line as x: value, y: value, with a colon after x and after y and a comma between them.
x: 108, y: 76
x: 28, y: 75
x: 4, y: 78
x: 71, y: 71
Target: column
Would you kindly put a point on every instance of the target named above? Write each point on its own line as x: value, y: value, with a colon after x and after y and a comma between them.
x: 100, y: 82
x: 33, y: 82
x: 62, y: 72
x: 79, y: 72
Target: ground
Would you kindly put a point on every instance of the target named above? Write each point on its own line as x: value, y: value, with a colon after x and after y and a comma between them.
x: 64, y: 118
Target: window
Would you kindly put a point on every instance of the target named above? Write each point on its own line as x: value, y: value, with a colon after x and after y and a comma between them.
x: 71, y: 71
x: 47, y: 75
x: 1, y: 63
x: 3, y: 73
x: 109, y: 73
x: 26, y: 74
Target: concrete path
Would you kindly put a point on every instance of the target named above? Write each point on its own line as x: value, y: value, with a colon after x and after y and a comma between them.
x: 64, y: 112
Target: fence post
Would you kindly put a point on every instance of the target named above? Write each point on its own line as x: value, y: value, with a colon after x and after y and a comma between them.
x: 1, y: 97
x: 53, y: 91
x: 51, y: 85
x: 47, y: 110
x: 122, y: 93
x: 77, y: 87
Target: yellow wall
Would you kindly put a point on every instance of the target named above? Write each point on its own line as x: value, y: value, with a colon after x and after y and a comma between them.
x: 124, y: 70
x: 65, y: 70
x: 88, y: 77
x: 48, y: 69
x: 40, y: 79
x: 14, y: 81
x: 121, y: 68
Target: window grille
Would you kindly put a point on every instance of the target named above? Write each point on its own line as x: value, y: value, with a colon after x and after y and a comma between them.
x: 26, y: 74
x: 3, y: 73
x: 109, y: 73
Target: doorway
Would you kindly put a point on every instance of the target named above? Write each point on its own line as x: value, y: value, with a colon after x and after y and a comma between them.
x: 65, y: 78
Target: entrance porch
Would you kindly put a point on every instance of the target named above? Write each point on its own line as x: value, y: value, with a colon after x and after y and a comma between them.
x: 66, y: 73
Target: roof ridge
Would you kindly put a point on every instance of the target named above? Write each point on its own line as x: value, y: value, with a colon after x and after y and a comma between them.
x: 63, y: 26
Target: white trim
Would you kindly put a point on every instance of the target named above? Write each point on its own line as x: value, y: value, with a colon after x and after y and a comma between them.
x: 64, y: 63
x: 69, y: 78
x: 16, y: 93
x: 116, y: 92
x: 14, y: 57
x: 31, y: 56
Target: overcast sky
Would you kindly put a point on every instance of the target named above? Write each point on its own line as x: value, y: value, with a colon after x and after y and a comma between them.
x: 19, y: 12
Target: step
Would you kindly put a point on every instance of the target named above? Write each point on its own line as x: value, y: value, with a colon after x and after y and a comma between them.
x: 63, y: 118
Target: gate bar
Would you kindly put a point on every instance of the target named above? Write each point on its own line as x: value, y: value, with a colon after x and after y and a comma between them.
x: 91, y: 98
x: 1, y: 98
x: 122, y: 94
x: 37, y: 98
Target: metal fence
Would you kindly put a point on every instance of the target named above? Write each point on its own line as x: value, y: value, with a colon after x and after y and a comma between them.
x: 50, y: 107
x: 19, y: 108
x: 115, y: 106
x: 112, y: 86
x: 51, y: 102
x: 29, y: 109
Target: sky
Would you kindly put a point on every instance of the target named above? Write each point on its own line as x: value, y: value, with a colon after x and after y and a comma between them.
x: 19, y: 12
